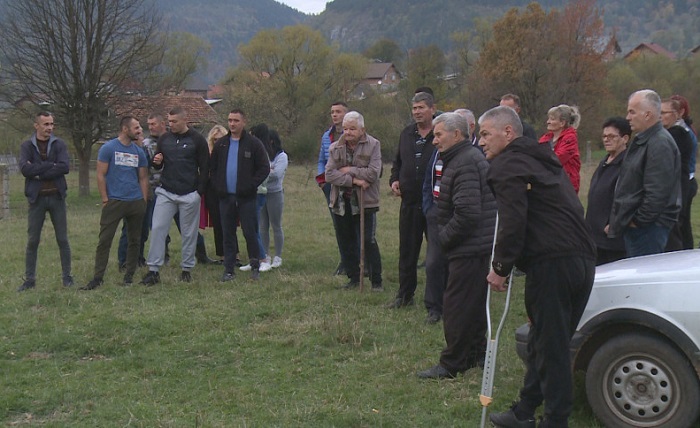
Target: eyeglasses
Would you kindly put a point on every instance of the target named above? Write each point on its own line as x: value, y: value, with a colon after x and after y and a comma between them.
x: 610, y: 136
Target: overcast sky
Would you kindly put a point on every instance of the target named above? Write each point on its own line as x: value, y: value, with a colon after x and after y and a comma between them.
x: 306, y: 6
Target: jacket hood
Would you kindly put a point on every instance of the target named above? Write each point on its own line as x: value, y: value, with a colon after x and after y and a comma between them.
x: 542, y: 153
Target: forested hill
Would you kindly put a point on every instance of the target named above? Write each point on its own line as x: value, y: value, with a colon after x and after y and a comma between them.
x: 225, y: 24
x: 356, y: 24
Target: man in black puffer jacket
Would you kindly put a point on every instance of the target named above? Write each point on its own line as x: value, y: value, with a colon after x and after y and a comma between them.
x: 466, y: 220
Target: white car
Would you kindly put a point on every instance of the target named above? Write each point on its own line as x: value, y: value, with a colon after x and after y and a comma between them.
x: 639, y: 341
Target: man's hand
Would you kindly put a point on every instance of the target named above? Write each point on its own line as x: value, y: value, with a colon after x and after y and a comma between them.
x: 158, y: 159
x: 396, y: 190
x: 496, y: 282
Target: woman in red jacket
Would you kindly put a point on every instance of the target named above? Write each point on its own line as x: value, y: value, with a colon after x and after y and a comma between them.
x: 562, y: 122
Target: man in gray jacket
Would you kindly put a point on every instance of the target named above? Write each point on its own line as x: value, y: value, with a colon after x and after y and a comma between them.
x: 648, y: 194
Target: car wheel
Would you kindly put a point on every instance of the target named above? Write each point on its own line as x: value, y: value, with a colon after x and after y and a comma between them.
x: 638, y: 380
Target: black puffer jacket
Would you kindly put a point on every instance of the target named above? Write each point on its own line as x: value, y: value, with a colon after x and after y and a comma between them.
x: 466, y: 208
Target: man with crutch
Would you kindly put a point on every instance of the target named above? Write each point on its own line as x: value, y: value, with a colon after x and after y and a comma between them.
x: 354, y: 163
x: 541, y: 231
x: 466, y: 214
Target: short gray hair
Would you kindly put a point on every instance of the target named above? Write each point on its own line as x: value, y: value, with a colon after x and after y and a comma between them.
x: 468, y: 114
x: 353, y: 116
x: 453, y: 122
x: 650, y: 99
x: 569, y: 114
x: 503, y: 116
x: 425, y: 97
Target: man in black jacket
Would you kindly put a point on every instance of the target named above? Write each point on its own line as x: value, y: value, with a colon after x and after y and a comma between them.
x: 466, y: 215
x: 183, y: 155
x: 239, y: 164
x: 541, y: 230
x: 43, y: 161
x: 407, y: 172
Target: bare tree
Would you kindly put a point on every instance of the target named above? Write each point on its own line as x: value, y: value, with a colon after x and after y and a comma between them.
x: 77, y: 56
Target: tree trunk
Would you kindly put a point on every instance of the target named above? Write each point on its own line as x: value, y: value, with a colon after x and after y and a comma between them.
x: 84, y: 155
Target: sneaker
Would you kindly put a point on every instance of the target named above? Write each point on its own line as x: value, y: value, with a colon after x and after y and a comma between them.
x: 255, y: 274
x: 93, y: 284
x: 245, y: 268
x: 128, y: 279
x: 68, y: 281
x: 377, y: 286
x: 436, y: 372
x: 186, y: 276
x: 151, y: 278
x: 265, y: 267
x: 27, y: 285
x: 276, y: 262
x: 228, y: 276
x: 508, y: 419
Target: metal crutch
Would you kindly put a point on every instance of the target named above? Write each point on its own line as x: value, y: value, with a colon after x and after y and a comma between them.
x: 492, y: 344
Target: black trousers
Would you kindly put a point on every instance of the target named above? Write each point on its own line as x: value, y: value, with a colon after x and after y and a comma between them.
x: 436, y: 267
x: 411, y: 229
x: 556, y: 293
x: 348, y: 227
x: 464, y: 312
x: 233, y: 208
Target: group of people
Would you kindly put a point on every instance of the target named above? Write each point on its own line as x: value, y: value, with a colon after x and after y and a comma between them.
x: 505, y: 200
x: 486, y: 205
x: 175, y: 174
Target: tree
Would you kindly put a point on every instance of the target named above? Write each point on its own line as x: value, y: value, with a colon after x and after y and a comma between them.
x: 426, y: 67
x: 286, y: 74
x: 545, y: 58
x: 386, y: 50
x: 184, y: 55
x: 76, y: 55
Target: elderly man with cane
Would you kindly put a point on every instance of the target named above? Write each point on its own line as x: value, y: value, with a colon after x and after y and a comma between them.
x: 354, y: 163
x: 542, y: 232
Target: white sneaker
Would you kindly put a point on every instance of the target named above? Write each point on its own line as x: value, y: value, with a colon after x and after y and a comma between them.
x: 276, y: 262
x: 245, y: 268
x: 265, y: 266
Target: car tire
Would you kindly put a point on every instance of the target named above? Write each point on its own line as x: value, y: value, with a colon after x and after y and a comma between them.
x: 639, y: 380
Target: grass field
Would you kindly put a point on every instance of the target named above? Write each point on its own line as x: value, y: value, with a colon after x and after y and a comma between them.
x: 288, y: 350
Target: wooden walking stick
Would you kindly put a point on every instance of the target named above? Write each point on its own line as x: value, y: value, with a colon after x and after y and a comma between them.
x: 362, y: 239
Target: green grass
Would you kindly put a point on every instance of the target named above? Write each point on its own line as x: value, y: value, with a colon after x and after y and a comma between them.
x: 289, y: 350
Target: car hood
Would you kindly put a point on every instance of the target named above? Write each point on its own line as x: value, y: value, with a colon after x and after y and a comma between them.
x: 666, y: 285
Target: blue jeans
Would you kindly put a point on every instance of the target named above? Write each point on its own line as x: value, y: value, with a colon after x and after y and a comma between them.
x: 262, y: 198
x: 645, y: 240
x: 56, y: 206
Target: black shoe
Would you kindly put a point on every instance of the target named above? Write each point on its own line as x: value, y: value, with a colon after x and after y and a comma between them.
x: 93, y: 284
x: 122, y: 267
x: 508, y: 419
x: 186, y: 276
x: 128, y: 279
x: 255, y: 274
x: 350, y: 285
x: 340, y: 270
x: 400, y: 302
x: 151, y: 278
x: 28, y: 284
x: 377, y: 286
x: 228, y: 276
x: 68, y: 281
x: 436, y: 372
x: 238, y: 262
x: 205, y: 260
x: 433, y: 318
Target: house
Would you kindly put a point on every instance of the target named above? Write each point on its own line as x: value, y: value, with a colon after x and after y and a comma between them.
x: 649, y: 49
x: 381, y: 75
x: 200, y: 114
